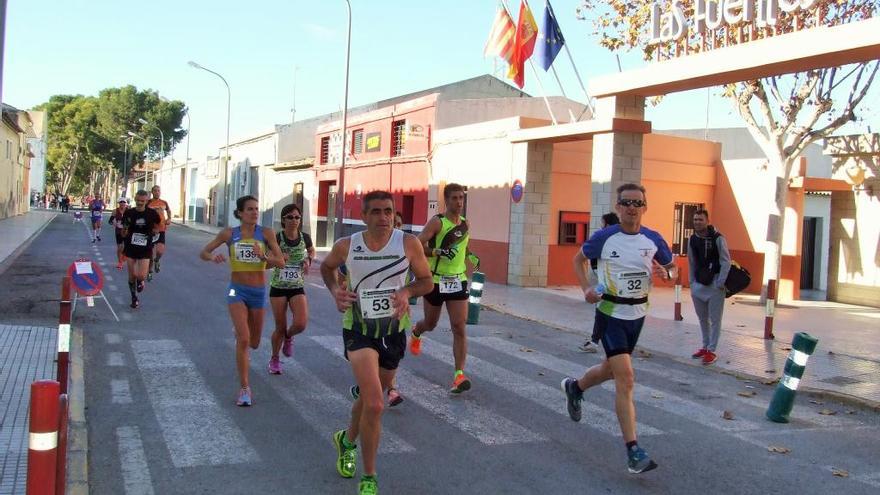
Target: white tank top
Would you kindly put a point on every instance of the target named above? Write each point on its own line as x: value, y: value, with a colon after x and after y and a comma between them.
x: 375, y: 276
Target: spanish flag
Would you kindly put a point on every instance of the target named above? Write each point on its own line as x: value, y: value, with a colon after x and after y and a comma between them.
x: 523, y: 45
x: 501, y: 38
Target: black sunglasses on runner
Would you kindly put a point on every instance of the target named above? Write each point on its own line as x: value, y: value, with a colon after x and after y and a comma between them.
x: 291, y: 217
x: 638, y: 203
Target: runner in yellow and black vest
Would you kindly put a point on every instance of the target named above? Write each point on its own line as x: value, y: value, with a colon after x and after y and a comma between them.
x: 445, y: 239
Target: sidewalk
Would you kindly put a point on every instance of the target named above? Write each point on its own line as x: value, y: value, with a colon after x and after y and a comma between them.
x: 18, y: 230
x: 846, y: 362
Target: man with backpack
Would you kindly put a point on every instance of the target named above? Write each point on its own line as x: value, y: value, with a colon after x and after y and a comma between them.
x: 709, y: 263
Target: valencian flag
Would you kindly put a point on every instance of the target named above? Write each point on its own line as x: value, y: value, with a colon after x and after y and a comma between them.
x: 550, y: 39
x: 501, y: 38
x: 524, y: 44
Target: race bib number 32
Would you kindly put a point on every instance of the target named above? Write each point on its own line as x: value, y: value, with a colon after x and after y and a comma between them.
x: 376, y: 303
x: 450, y: 285
x: 633, y: 284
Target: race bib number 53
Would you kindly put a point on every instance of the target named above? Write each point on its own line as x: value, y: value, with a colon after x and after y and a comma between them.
x: 376, y: 303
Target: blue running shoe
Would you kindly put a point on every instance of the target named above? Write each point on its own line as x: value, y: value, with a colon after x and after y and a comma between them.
x: 639, y: 462
x: 244, y: 397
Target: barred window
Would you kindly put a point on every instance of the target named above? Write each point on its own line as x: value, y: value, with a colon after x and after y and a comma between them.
x: 357, y: 141
x: 325, y: 150
x: 683, y: 226
x: 398, y: 137
x: 573, y: 227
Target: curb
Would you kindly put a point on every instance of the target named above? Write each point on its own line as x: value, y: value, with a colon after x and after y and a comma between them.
x: 846, y: 399
x: 78, y: 434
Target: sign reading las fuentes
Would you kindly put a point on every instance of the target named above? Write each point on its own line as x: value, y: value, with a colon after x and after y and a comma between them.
x: 715, y: 14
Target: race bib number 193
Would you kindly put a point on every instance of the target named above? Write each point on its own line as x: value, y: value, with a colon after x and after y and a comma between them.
x: 376, y: 303
x: 290, y: 274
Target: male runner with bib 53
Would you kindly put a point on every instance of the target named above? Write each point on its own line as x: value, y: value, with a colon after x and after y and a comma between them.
x: 375, y: 300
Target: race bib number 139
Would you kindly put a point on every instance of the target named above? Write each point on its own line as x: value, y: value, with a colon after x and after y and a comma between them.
x: 245, y: 253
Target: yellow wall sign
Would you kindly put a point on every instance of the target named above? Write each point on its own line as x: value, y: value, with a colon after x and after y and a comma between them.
x: 374, y: 141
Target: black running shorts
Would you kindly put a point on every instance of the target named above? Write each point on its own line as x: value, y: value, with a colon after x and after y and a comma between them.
x: 391, y: 348
x: 617, y: 336
x: 436, y: 298
x: 288, y: 293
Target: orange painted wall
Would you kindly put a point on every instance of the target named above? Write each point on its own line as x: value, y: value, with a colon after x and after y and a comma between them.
x: 493, y: 259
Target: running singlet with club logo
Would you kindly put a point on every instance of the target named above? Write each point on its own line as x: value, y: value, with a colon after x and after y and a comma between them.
x: 97, y: 208
x: 375, y: 276
x: 139, y: 227
x: 291, y: 276
x: 242, y: 255
x: 453, y: 238
x: 625, y: 264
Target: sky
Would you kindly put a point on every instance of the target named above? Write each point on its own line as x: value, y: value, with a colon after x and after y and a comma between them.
x: 266, y: 48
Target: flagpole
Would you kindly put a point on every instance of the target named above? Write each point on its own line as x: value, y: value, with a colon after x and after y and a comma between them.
x: 573, y: 66
x: 570, y: 113
x: 540, y: 86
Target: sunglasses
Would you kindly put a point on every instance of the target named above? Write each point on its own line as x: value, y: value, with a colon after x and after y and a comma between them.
x: 638, y: 203
x: 291, y: 217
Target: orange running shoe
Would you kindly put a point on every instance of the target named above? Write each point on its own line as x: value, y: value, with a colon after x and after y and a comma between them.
x: 460, y: 384
x: 119, y: 266
x: 415, y: 345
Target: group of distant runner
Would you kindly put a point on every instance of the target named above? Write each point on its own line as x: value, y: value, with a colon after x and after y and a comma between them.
x: 140, y: 235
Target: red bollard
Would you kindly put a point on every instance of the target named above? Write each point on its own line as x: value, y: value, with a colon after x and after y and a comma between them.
x: 64, y: 335
x: 43, y: 441
x: 770, y: 310
x: 61, y: 473
x: 678, y: 316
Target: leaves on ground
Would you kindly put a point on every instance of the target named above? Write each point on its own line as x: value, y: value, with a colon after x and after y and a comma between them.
x: 747, y: 393
x: 840, y: 473
x: 827, y: 412
x: 540, y: 373
x: 727, y: 415
x: 817, y: 402
x: 778, y: 449
x: 656, y: 395
x: 525, y: 349
x: 771, y: 382
x: 644, y: 354
x: 785, y: 348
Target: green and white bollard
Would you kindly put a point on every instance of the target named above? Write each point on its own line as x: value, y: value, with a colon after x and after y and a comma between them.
x: 476, y: 294
x: 802, y: 346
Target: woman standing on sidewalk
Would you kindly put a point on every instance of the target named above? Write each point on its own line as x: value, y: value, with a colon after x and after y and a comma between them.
x: 287, y: 286
x: 251, y: 248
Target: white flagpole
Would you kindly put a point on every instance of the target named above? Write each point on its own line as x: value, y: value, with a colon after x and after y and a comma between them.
x: 570, y: 113
x: 581, y: 82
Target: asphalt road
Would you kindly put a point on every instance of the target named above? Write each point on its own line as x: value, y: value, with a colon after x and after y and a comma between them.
x: 161, y: 385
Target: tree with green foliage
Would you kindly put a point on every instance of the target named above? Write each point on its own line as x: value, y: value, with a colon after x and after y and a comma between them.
x: 784, y: 114
x: 87, y: 136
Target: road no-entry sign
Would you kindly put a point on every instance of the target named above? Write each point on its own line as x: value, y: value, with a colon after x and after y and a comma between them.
x: 86, y: 277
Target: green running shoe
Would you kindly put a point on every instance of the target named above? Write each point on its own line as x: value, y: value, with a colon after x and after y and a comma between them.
x: 368, y: 486
x: 346, y: 460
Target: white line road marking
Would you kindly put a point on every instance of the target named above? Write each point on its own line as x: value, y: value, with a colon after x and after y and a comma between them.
x: 196, y: 429
x: 539, y: 393
x: 133, y: 459
x: 320, y: 286
x: 120, y: 391
x: 461, y: 412
x: 115, y: 359
x: 671, y: 403
x: 328, y: 410
x: 112, y: 338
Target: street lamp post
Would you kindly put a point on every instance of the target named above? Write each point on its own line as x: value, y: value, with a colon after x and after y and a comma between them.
x: 340, y: 195
x: 221, y: 220
x: 125, y: 139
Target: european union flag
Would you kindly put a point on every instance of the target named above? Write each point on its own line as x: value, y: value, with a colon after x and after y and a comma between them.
x: 550, y: 39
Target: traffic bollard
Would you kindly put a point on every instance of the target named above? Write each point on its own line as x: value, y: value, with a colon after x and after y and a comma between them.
x: 677, y: 309
x: 64, y: 335
x: 802, y: 346
x: 43, y: 439
x: 476, y: 294
x: 61, y: 472
x: 770, y: 309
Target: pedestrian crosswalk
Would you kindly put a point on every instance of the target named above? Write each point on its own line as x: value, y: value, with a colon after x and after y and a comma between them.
x: 199, y: 431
